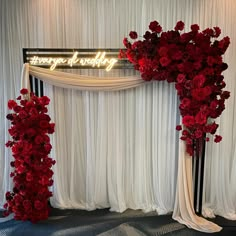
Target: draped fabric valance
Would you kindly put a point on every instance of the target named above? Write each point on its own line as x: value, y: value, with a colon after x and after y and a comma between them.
x: 81, y: 82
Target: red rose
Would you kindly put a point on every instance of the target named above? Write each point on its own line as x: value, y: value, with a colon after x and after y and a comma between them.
x: 194, y: 27
x: 43, y: 124
x: 208, y: 32
x: 210, y: 60
x: 178, y: 127
x: 10, y: 116
x: 11, y: 104
x: 163, y: 51
x: 214, y: 104
x: 27, y: 205
x: 155, y: 27
x: 38, y: 205
x: 46, y: 138
x: 188, y: 84
x: 181, y: 67
x: 29, y: 177
x: 17, y: 108
x: 217, y: 31
x: 189, y: 141
x: 198, y: 81
x: 147, y: 35
x: 224, y: 43
x: 179, y: 25
x: 48, y: 147
x: 198, y: 133
x: 126, y: 42
x: 185, y: 103
x: 211, y: 128
x: 225, y: 95
x: 44, y: 180
x: 38, y: 139
x: 44, y: 100
x: 17, y: 148
x: 44, y: 117
x: 122, y: 54
x: 177, y: 55
x: 201, y: 118
x: 197, y: 65
x: 24, y: 91
x: 23, y: 114
x: 188, y: 121
x: 133, y: 35
x: 31, y: 132
x: 18, y: 199
x: 9, y: 144
x: 136, y: 45
x: 51, y: 128
x: 185, y: 37
x: 20, y: 169
x: 201, y: 94
x: 8, y: 195
x: 181, y: 78
x: 34, y: 111
x: 131, y: 56
x: 5, y: 206
x: 50, y: 183
x: 165, y: 61
x: 218, y: 138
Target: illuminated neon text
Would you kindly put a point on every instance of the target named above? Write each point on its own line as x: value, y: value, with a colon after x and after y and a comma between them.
x: 97, y: 61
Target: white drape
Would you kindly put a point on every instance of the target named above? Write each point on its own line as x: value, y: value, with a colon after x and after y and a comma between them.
x: 184, y: 211
x: 104, y: 23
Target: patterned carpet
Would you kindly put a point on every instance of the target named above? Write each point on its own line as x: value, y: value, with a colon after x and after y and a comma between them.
x: 106, y: 223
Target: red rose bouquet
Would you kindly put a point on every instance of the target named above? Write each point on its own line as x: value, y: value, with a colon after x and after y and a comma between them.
x: 192, y: 60
x: 30, y: 145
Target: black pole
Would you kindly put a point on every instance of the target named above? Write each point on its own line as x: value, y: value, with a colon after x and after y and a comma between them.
x: 199, y: 159
x: 196, y: 177
x: 203, y: 145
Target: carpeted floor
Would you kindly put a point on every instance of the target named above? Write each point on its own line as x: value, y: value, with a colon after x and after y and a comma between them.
x: 106, y: 223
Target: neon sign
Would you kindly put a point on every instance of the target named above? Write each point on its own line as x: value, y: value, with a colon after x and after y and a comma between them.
x: 98, y: 60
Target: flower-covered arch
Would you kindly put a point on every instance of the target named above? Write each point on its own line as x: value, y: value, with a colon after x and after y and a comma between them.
x: 192, y: 60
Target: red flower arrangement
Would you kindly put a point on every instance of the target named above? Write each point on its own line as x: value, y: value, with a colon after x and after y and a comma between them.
x: 192, y: 60
x: 30, y: 147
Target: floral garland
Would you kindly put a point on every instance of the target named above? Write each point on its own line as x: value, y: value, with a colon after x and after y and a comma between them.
x: 192, y: 60
x: 30, y: 147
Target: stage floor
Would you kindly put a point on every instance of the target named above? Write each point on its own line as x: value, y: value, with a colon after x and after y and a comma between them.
x: 106, y: 223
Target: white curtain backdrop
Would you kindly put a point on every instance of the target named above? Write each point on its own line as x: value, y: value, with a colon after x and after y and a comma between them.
x: 149, y: 130
x: 111, y: 149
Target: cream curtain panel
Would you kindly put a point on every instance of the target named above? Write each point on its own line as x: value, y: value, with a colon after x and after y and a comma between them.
x: 103, y: 24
